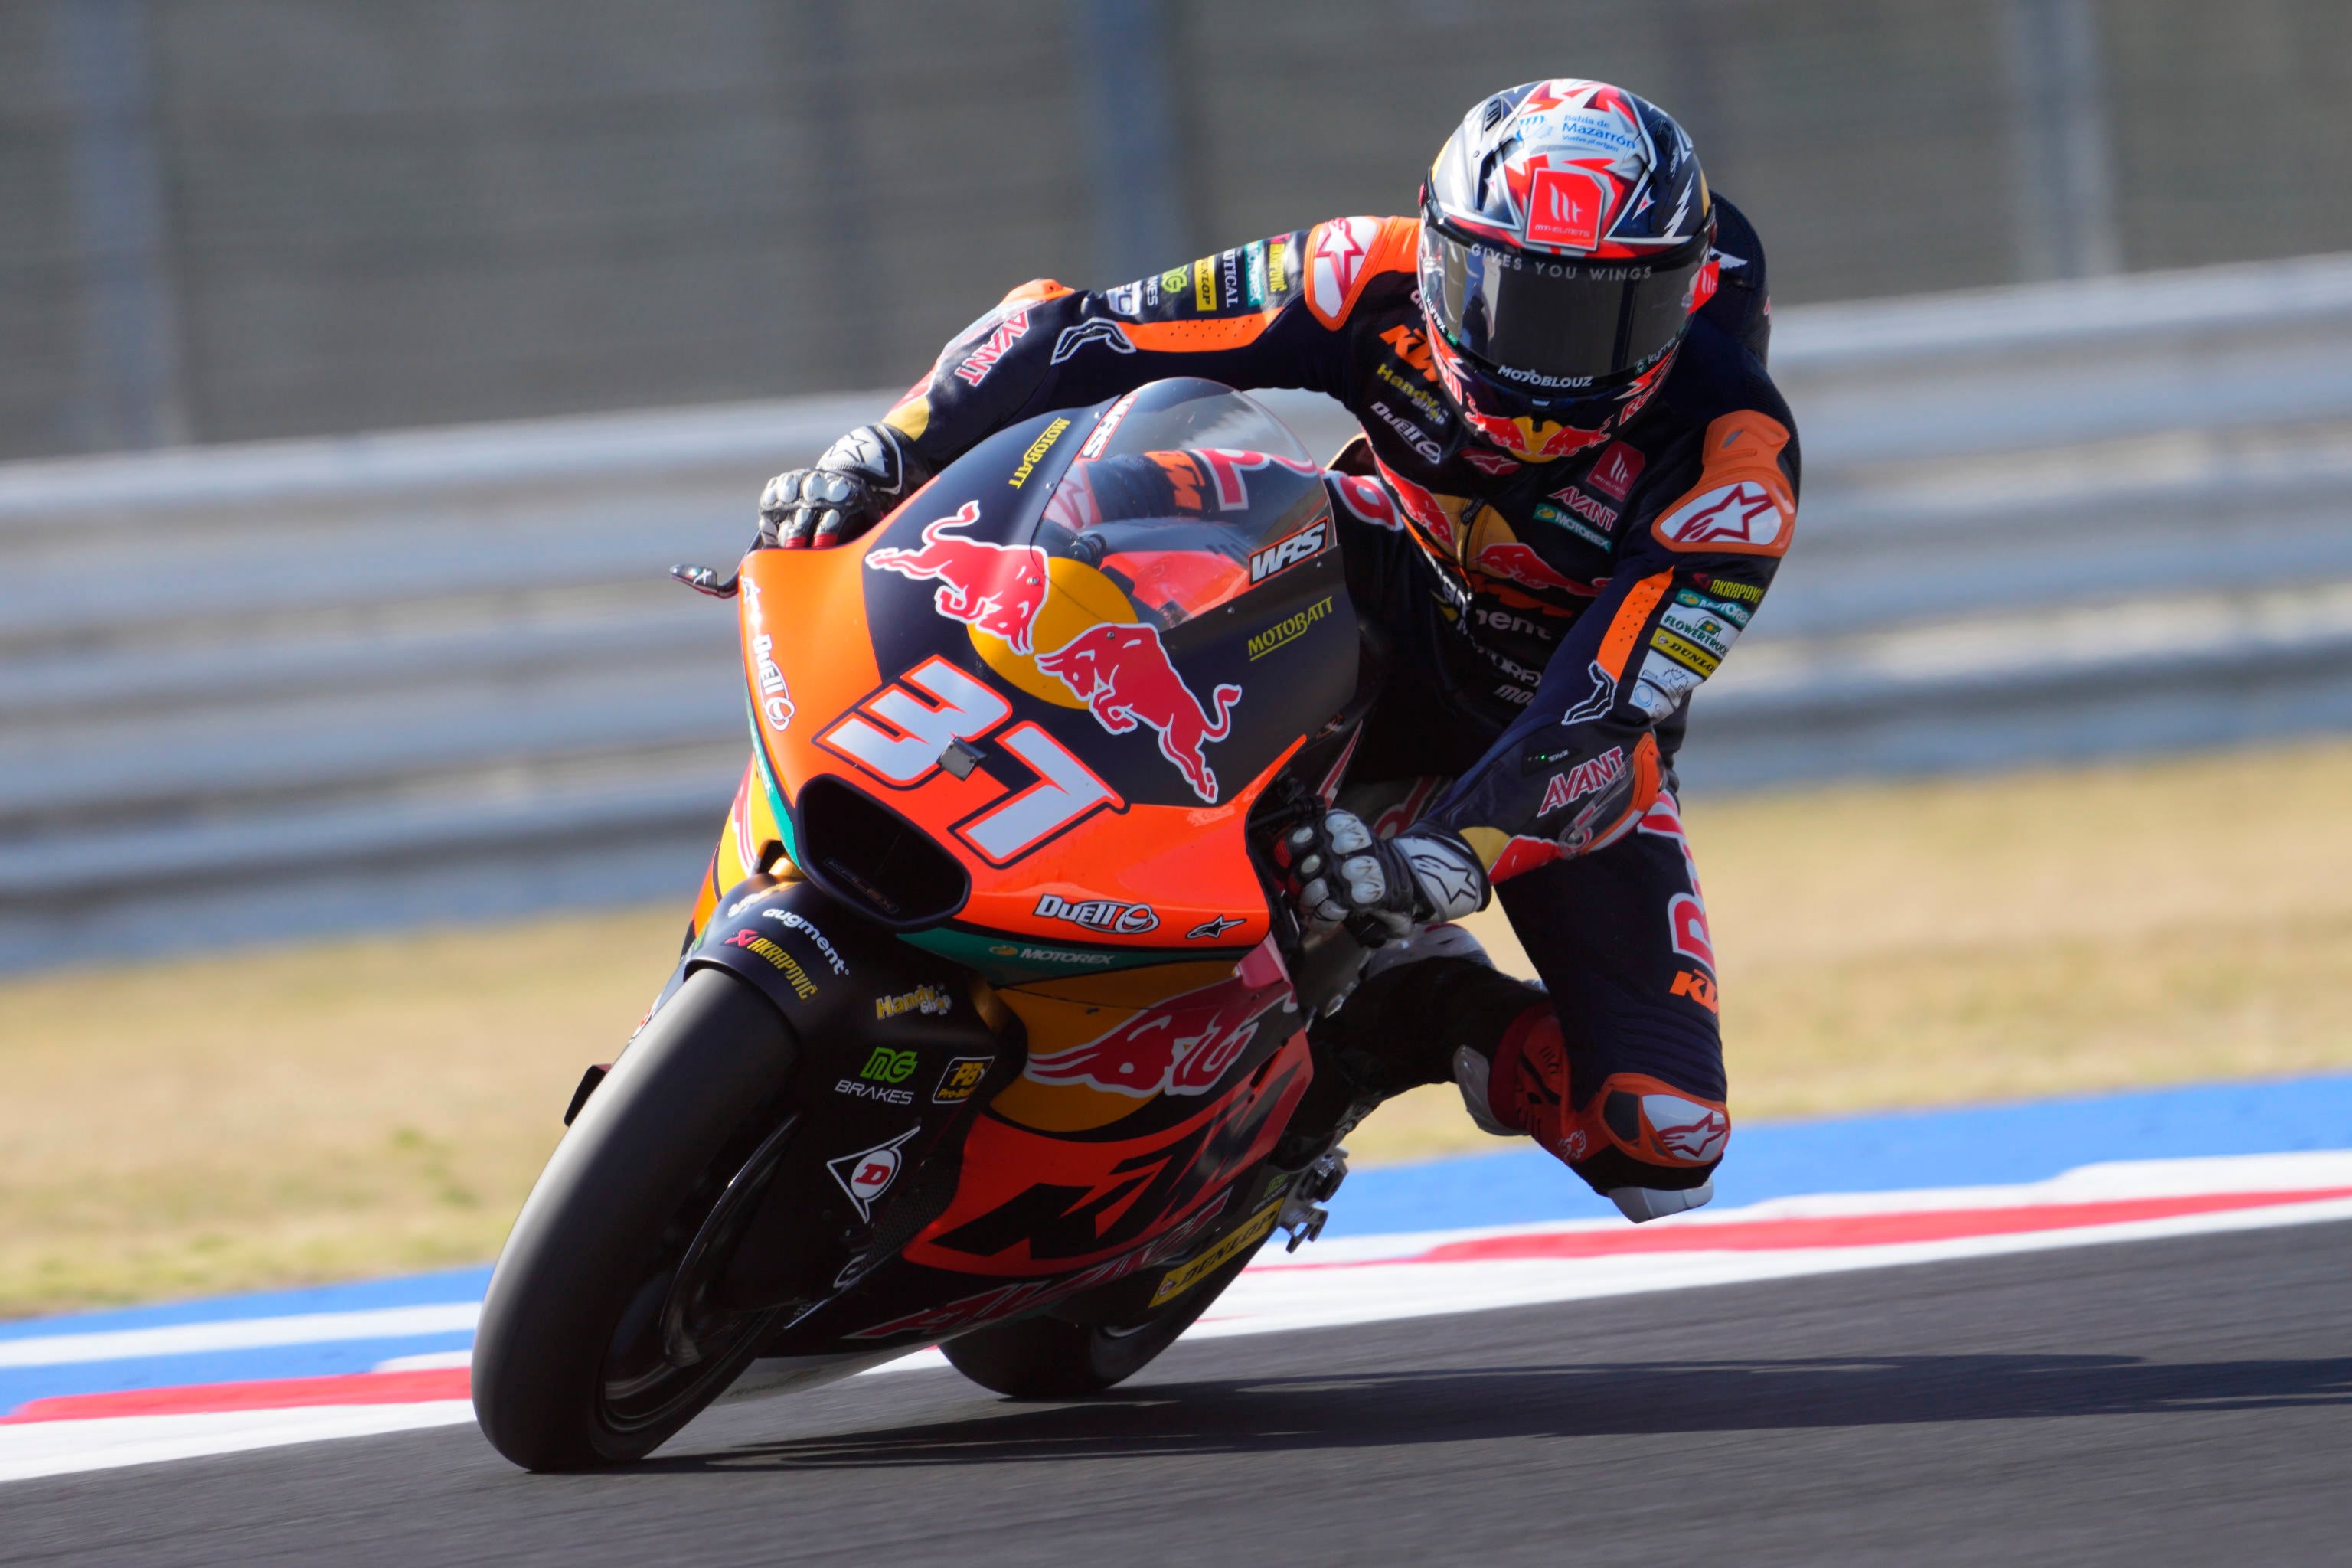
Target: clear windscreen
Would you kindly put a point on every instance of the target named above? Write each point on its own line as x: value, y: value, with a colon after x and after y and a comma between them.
x: 1175, y: 492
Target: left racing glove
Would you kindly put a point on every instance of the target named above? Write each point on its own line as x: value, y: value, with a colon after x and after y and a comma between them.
x: 859, y: 479
x: 1337, y: 872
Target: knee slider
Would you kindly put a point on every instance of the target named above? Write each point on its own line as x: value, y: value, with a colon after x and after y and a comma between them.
x: 1638, y: 1140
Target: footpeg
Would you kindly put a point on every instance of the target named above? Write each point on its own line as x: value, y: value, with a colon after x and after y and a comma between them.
x: 1303, y: 1214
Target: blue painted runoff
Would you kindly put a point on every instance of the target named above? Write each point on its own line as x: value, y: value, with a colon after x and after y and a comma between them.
x: 1990, y: 1145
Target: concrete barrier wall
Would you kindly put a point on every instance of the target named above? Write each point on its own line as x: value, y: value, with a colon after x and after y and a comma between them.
x: 305, y: 685
x: 229, y: 220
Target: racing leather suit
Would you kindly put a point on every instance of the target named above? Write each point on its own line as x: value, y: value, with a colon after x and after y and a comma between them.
x: 1545, y: 622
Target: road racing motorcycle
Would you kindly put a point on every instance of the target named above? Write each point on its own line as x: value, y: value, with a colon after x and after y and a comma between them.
x: 989, y: 1028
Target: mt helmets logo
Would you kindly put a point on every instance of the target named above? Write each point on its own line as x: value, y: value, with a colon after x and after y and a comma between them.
x: 1614, y: 471
x: 1099, y: 914
x: 868, y: 1174
x: 1564, y: 209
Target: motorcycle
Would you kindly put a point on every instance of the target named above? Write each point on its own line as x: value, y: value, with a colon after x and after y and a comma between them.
x: 989, y: 1028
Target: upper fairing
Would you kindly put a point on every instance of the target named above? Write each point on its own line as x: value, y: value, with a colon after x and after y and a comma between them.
x: 1072, y: 691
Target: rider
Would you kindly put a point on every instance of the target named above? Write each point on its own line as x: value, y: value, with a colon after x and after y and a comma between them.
x: 1574, y: 484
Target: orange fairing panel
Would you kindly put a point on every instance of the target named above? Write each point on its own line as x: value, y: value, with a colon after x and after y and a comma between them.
x: 1034, y: 1203
x: 1062, y: 854
x: 803, y: 610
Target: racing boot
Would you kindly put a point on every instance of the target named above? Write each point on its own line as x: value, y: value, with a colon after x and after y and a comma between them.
x: 1648, y: 1146
x: 1417, y: 1002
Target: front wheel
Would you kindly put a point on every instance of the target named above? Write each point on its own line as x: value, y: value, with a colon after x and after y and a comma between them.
x: 600, y: 1336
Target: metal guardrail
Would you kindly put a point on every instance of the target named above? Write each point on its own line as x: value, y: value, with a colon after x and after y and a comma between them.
x: 299, y: 687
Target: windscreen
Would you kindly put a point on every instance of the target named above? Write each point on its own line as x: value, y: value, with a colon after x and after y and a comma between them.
x: 1177, y: 492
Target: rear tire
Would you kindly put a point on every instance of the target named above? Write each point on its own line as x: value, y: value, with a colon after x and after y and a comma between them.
x: 597, y: 1340
x: 1047, y: 1357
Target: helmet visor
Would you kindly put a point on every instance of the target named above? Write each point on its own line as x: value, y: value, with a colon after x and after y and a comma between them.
x: 1552, y: 326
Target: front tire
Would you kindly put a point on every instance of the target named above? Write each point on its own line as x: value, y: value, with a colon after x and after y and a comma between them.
x: 598, y: 1339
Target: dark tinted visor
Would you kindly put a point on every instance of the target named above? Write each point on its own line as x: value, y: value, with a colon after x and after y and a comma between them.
x: 1551, y: 325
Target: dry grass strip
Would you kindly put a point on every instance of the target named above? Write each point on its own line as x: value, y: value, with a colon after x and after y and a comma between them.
x: 379, y: 1105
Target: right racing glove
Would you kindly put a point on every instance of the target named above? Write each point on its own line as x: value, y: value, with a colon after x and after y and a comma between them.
x: 1337, y: 872
x: 849, y: 489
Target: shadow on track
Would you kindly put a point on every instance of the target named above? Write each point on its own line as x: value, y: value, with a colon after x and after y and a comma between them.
x: 1282, y: 1413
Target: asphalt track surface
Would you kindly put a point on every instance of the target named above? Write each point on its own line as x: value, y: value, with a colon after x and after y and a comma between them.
x: 2170, y: 1402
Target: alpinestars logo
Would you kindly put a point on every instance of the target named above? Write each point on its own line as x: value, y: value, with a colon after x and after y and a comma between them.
x: 1289, y: 551
x: 1097, y: 330
x: 1744, y: 517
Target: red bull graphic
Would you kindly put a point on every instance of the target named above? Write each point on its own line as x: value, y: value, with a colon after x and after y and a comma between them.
x: 1181, y: 1047
x: 1419, y: 505
x: 1124, y: 675
x: 1537, y: 442
x: 1517, y: 563
x: 995, y: 588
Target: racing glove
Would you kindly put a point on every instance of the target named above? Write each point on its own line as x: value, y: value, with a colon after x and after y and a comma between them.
x: 849, y: 489
x: 1337, y: 872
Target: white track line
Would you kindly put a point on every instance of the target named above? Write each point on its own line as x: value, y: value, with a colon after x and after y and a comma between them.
x: 62, y: 1447
x: 1283, y: 1293
x: 241, y: 1333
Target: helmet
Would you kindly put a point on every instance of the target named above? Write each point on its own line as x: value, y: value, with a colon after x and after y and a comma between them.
x: 1566, y: 239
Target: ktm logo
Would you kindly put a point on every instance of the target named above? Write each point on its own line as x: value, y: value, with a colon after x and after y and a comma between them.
x: 1411, y: 348
x: 1698, y: 987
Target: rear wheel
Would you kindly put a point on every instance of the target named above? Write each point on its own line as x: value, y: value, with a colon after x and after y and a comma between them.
x: 601, y: 1335
x: 1047, y: 1357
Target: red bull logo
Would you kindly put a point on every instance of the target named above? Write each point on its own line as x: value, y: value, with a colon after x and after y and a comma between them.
x: 994, y: 588
x: 1124, y: 676
x: 1517, y: 563
x: 1183, y: 1048
x: 1419, y: 505
x: 1536, y: 441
